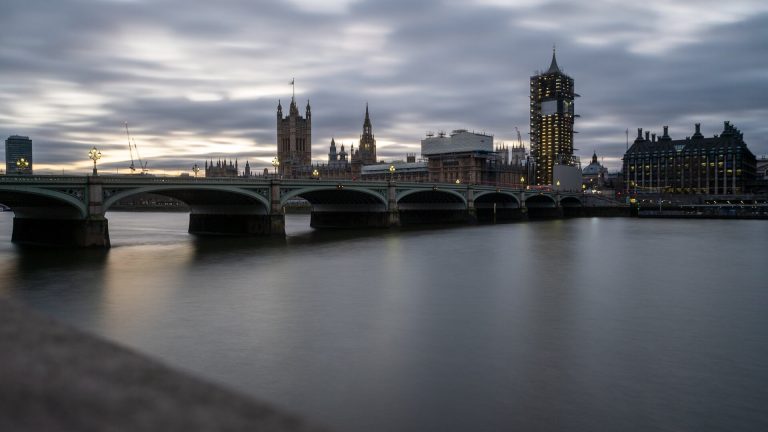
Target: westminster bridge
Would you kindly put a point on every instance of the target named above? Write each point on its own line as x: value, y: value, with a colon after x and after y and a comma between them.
x: 70, y: 210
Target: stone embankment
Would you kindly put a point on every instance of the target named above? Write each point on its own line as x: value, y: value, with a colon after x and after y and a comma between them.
x: 55, y: 378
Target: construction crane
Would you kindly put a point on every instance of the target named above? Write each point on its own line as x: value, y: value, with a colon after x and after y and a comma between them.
x: 131, y: 148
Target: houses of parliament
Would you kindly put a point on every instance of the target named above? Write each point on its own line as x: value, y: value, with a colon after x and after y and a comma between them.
x: 460, y: 156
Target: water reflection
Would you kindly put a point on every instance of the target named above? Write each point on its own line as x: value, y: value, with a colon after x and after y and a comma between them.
x: 589, y: 324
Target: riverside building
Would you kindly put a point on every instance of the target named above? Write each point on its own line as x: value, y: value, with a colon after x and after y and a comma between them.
x: 718, y: 165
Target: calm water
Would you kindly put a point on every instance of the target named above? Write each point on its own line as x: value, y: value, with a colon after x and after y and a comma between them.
x: 587, y: 324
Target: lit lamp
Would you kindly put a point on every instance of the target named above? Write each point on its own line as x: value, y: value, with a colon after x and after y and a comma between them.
x: 316, y: 174
x: 275, y: 164
x: 94, y: 154
x: 22, y: 165
x: 558, y: 183
x: 195, y: 169
x: 458, y: 181
x: 391, y: 172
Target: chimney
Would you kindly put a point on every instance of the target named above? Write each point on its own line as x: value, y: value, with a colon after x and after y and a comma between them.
x: 698, y: 127
x: 639, y: 133
x: 653, y: 137
x: 647, y: 136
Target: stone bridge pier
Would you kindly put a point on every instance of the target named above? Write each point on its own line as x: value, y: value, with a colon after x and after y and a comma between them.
x: 222, y: 213
x: 41, y: 220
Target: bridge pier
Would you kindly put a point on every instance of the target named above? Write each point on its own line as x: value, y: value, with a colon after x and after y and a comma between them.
x: 351, y: 219
x: 237, y: 224
x: 545, y: 212
x: 90, y: 232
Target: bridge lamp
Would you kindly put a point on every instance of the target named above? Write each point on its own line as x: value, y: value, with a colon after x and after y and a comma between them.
x: 94, y: 154
x: 275, y: 164
x: 22, y: 165
x: 316, y: 174
x: 458, y: 181
x: 558, y: 183
x: 391, y: 172
x: 195, y: 169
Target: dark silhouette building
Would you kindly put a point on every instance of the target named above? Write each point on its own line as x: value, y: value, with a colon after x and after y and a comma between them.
x: 695, y: 165
x: 366, y: 150
x: 18, y: 155
x: 551, y: 121
x: 222, y: 169
x: 294, y: 140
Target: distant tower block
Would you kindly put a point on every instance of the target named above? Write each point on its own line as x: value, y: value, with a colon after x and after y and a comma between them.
x: 18, y: 155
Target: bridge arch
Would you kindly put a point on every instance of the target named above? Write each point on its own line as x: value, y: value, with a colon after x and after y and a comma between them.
x: 37, y: 202
x: 570, y: 201
x: 430, y: 195
x: 501, y: 197
x: 540, y: 201
x: 337, y: 195
x: 197, y: 195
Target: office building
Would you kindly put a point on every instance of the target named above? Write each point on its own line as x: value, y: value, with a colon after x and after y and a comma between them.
x: 18, y: 155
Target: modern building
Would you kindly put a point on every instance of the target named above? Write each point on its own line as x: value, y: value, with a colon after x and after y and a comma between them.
x: 18, y: 155
x: 762, y: 168
x: 551, y: 121
x: 695, y: 165
x: 294, y: 140
x: 469, y: 157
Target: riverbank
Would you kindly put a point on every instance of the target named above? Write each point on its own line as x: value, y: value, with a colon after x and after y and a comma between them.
x: 56, y: 378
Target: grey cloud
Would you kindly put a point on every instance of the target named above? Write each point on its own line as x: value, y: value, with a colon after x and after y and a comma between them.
x: 440, y: 65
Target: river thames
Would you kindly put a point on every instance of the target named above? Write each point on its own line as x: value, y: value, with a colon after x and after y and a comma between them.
x: 581, y: 324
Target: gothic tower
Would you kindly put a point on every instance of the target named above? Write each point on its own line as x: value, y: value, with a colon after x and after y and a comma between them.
x: 294, y: 139
x: 552, y: 118
x: 367, y: 147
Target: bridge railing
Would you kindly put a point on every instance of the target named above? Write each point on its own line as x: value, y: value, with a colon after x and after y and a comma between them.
x: 42, y: 179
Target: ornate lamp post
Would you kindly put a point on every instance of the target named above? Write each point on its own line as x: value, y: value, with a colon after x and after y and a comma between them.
x: 458, y: 181
x: 391, y: 172
x: 195, y: 169
x: 275, y: 164
x: 22, y: 165
x: 94, y: 154
x: 316, y: 174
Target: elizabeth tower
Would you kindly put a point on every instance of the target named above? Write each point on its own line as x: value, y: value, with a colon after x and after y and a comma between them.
x: 551, y: 121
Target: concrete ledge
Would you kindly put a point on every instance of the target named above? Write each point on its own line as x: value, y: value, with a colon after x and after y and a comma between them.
x: 54, y: 378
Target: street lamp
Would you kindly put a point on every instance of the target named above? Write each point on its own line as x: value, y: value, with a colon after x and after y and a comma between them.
x: 275, y: 164
x: 458, y: 181
x: 316, y: 174
x: 195, y: 169
x: 22, y: 165
x: 391, y: 172
x: 94, y: 154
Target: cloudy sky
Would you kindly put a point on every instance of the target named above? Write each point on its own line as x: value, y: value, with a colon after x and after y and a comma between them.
x: 201, y: 80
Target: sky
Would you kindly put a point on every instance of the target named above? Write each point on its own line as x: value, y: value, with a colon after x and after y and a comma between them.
x: 201, y: 81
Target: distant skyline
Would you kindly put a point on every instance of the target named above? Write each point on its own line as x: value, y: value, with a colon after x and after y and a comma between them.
x: 198, y: 82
